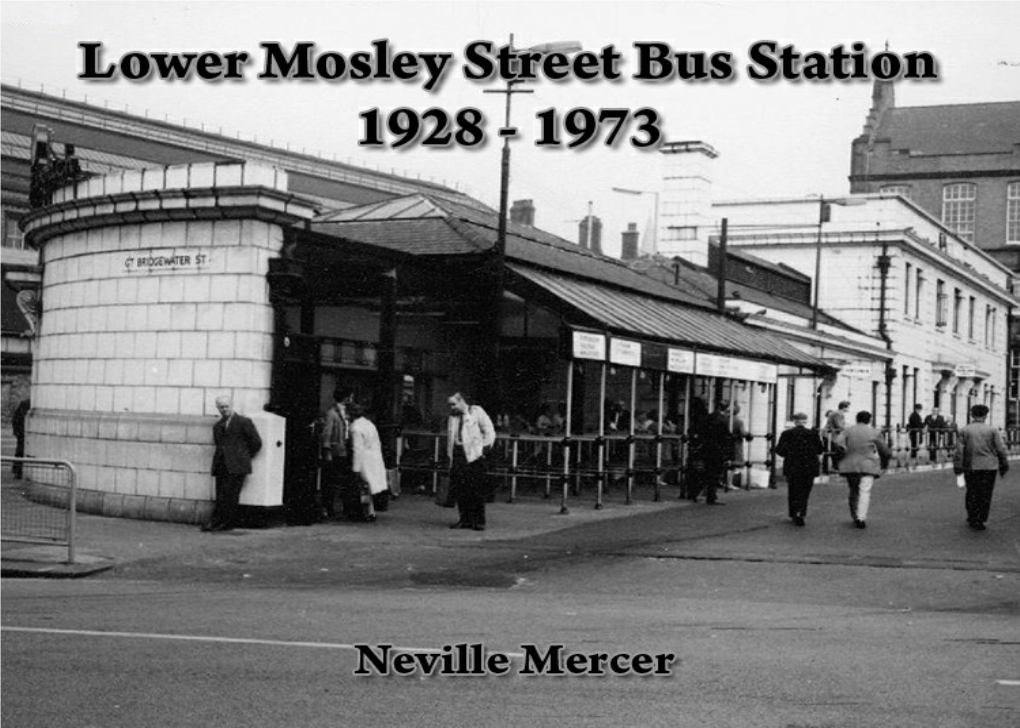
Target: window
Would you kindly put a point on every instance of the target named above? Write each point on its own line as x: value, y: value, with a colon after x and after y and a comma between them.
x: 918, y: 294
x: 1013, y: 213
x: 957, y: 309
x: 906, y: 290
x: 893, y: 190
x: 941, y: 304
x: 959, y: 205
x: 1014, y: 375
x: 12, y: 235
x: 971, y: 313
x: 990, y: 315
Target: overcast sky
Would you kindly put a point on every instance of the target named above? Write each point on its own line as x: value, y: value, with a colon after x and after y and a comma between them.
x: 775, y: 138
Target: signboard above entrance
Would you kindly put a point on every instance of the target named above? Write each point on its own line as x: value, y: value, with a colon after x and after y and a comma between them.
x: 586, y: 345
x: 659, y: 357
x: 624, y: 352
x: 712, y: 365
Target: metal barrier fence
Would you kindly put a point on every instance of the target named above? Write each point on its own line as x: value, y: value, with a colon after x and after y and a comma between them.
x: 591, y: 463
x: 912, y: 448
x: 585, y: 463
x: 49, y: 516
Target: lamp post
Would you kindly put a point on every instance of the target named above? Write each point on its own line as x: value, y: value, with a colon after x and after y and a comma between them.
x: 824, y: 215
x: 495, y: 370
x: 655, y: 217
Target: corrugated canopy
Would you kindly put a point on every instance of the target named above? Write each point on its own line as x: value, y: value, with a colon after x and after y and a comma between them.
x: 600, y: 291
x: 631, y: 313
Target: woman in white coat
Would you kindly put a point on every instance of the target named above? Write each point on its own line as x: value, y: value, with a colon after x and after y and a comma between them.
x: 367, y: 462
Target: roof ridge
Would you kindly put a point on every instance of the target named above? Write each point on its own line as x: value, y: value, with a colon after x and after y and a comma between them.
x: 970, y: 104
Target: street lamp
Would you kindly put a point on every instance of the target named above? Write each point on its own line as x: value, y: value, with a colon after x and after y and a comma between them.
x: 570, y: 46
x: 499, y: 252
x: 655, y: 218
x: 824, y: 215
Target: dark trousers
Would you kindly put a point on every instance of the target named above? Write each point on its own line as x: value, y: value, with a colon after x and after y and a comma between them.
x: 707, y: 481
x: 980, y: 484
x: 467, y: 486
x: 228, y: 495
x: 335, y: 474
x: 798, y: 490
x: 19, y: 452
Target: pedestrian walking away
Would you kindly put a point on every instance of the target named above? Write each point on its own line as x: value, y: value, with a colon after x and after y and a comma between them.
x: 867, y: 455
x: 470, y: 436
x: 715, y: 451
x: 800, y: 449
x: 980, y: 454
x: 237, y: 441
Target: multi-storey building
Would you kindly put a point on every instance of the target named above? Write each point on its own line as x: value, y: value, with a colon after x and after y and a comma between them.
x: 886, y: 267
x: 960, y: 162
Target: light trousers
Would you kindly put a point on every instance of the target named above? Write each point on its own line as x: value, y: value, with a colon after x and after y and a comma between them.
x: 860, y: 494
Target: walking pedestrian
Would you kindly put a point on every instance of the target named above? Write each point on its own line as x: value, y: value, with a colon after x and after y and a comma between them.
x: 980, y: 452
x: 867, y: 455
x: 714, y: 453
x: 470, y: 436
x: 237, y: 441
x: 800, y: 448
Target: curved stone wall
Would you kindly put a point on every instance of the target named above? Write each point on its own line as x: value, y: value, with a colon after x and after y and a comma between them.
x: 154, y: 302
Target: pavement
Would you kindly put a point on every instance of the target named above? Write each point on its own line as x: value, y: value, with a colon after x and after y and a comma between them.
x: 412, y: 524
x: 917, y: 522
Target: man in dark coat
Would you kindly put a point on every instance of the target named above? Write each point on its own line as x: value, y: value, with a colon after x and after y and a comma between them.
x: 915, y: 428
x: 800, y: 449
x: 714, y: 451
x: 935, y: 424
x: 18, y: 425
x: 236, y: 441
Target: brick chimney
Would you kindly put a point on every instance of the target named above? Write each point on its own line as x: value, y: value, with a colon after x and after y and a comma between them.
x: 595, y: 238
x: 685, y: 213
x: 629, y: 249
x: 522, y: 212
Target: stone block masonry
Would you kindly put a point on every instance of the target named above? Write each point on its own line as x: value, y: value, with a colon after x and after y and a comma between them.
x: 155, y: 301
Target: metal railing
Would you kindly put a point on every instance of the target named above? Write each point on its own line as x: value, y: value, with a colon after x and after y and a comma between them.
x: 48, y: 517
x: 570, y: 466
x: 912, y: 448
x: 657, y: 464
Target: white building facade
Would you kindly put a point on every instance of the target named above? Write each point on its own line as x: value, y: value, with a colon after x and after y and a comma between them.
x: 885, y: 267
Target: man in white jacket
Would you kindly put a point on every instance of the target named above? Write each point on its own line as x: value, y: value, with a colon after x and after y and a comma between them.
x: 470, y: 437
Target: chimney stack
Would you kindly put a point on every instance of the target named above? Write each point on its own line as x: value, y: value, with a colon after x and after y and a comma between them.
x: 592, y: 236
x: 686, y: 206
x: 523, y: 212
x: 630, y: 236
